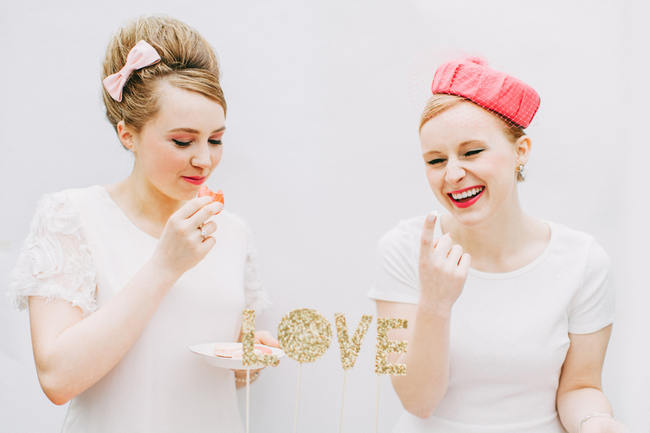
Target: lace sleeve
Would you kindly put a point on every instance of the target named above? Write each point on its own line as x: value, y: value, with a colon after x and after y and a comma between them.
x: 256, y: 296
x: 55, y: 260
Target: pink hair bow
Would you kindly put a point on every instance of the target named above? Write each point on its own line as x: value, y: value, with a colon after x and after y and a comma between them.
x: 141, y: 55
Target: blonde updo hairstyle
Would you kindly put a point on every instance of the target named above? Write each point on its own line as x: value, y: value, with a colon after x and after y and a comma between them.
x: 441, y: 102
x: 187, y: 61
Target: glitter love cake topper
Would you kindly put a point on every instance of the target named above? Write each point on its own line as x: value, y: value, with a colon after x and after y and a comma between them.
x: 305, y: 335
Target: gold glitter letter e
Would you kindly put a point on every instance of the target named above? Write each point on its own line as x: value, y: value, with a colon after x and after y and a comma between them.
x: 384, y: 345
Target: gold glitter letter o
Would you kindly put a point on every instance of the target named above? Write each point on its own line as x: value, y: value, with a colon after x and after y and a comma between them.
x: 304, y: 335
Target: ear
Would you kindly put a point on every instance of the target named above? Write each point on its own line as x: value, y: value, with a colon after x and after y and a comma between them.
x: 522, y: 149
x: 127, y: 136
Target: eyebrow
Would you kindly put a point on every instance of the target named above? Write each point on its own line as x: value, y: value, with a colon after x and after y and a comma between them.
x: 194, y: 131
x: 464, y: 143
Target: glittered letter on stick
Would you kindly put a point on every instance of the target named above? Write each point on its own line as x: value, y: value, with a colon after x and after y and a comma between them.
x: 384, y: 345
x: 304, y: 335
x: 249, y: 357
x: 350, y: 349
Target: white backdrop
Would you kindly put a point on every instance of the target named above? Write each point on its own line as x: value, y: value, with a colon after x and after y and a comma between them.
x: 321, y: 158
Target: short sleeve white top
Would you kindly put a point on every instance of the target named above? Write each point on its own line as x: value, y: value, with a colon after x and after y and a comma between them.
x: 82, y: 248
x: 508, y: 331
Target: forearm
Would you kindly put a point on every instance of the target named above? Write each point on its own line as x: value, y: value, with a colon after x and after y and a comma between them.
x: 575, y: 405
x: 427, y: 362
x: 85, y: 352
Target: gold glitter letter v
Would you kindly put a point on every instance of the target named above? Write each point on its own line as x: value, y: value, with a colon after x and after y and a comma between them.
x: 350, y: 349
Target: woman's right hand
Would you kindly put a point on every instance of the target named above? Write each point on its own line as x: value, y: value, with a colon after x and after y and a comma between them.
x: 443, y: 269
x: 181, y: 245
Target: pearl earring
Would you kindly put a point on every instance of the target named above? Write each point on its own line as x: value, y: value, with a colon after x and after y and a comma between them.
x: 521, y: 171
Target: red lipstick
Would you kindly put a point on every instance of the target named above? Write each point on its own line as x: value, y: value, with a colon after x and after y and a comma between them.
x: 194, y: 180
x: 468, y: 203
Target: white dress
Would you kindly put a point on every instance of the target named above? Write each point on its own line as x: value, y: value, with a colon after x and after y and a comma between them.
x: 508, y: 331
x: 83, y: 248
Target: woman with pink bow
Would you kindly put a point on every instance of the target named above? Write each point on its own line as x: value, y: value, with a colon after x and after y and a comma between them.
x: 121, y: 279
x: 509, y: 315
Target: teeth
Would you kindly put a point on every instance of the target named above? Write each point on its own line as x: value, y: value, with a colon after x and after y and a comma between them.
x: 468, y: 193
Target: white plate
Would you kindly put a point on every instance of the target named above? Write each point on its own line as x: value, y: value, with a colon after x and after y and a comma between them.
x: 206, y: 351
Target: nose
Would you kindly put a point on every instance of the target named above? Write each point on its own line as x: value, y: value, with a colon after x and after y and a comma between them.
x: 454, y: 172
x: 201, y: 157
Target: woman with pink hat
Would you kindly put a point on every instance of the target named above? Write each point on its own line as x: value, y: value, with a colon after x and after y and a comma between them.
x: 509, y: 315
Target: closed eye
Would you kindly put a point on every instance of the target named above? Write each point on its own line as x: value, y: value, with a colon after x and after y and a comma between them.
x: 187, y: 143
x: 435, y: 161
x: 473, y: 152
x: 182, y: 143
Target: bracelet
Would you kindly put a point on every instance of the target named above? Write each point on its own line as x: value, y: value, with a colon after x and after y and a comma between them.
x: 593, y: 415
x: 243, y: 379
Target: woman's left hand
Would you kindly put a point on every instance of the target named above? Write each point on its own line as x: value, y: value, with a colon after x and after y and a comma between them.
x: 603, y: 425
x: 261, y: 337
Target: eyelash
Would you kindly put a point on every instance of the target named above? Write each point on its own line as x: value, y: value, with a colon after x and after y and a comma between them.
x: 187, y: 143
x: 468, y: 153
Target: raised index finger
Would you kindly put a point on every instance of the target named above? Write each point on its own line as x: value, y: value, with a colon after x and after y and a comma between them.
x: 426, y: 239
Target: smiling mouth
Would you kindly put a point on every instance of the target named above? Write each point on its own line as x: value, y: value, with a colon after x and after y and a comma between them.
x: 467, y: 195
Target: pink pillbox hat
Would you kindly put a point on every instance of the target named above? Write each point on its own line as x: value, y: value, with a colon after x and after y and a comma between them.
x: 473, y: 79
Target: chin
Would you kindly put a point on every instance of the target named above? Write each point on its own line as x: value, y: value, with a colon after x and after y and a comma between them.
x: 468, y: 217
x: 188, y: 195
x: 186, y: 192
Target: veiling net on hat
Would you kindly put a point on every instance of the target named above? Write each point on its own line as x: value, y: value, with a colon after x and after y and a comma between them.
x: 501, y: 93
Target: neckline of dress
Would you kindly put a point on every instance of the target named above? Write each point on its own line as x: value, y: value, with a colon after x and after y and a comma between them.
x: 515, y: 272
x: 116, y: 207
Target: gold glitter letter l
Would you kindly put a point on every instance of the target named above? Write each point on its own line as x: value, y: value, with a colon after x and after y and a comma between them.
x: 249, y: 356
